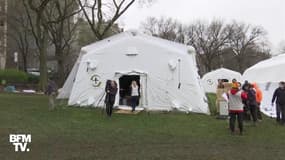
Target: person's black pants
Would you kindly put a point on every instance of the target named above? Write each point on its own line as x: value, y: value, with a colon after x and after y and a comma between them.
x: 259, y: 115
x: 280, y: 113
x: 109, y: 108
x: 246, y: 113
x: 134, y: 101
x: 253, y: 112
x: 239, y: 117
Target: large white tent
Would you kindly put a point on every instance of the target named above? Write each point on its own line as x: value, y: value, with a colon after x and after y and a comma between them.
x: 267, y: 74
x: 210, y: 80
x: 165, y: 70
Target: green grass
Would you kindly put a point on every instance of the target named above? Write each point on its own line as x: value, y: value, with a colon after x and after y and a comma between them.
x: 70, y: 133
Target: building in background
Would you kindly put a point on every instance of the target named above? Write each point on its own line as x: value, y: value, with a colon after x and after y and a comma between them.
x: 3, y: 32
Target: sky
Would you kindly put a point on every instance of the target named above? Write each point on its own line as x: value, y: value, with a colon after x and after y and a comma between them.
x: 270, y: 14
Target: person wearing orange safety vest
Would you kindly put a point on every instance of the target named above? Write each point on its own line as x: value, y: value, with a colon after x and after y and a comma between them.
x: 259, y: 97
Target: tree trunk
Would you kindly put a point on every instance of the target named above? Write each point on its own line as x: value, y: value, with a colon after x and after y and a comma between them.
x: 43, y: 62
x: 60, y: 70
x: 240, y: 63
x: 24, y: 56
x: 208, y: 67
x: 208, y: 64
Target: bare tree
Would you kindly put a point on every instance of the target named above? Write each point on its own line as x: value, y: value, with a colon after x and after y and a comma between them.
x: 61, y: 26
x: 208, y: 41
x: 35, y: 13
x: 244, y: 37
x: 214, y: 42
x: 102, y: 15
x: 166, y: 28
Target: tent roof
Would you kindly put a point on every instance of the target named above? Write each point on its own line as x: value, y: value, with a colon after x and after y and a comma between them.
x: 222, y: 72
x: 170, y: 45
x: 269, y: 62
x: 270, y: 70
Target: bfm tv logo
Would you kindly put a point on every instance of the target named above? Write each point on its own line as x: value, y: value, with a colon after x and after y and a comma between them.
x: 20, y: 141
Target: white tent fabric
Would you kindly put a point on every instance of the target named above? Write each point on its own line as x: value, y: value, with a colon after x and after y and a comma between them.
x: 65, y: 91
x: 270, y: 70
x: 267, y: 91
x: 162, y: 65
x: 267, y: 74
x: 210, y: 80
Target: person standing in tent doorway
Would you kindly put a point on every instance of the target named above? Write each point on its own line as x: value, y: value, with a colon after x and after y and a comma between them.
x: 134, y: 95
x: 51, y: 91
x: 279, y: 96
x: 236, y: 97
x: 111, y: 91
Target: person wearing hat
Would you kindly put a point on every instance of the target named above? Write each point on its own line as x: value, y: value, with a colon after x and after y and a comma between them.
x: 235, y: 98
x: 235, y: 83
x: 279, y: 99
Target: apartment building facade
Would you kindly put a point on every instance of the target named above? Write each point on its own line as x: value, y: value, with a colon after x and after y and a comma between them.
x: 3, y: 32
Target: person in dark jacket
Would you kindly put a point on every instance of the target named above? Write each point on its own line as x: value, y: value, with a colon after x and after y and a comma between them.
x: 111, y: 91
x: 251, y: 101
x: 51, y: 91
x: 279, y: 97
x: 246, y: 113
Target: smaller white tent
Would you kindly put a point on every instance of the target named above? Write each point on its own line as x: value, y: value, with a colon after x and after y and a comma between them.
x: 210, y: 80
x: 267, y: 74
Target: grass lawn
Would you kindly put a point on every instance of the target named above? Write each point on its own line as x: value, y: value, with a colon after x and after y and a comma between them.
x: 86, y: 134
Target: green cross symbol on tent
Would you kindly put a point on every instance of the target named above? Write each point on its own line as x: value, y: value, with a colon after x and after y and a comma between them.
x: 96, y: 80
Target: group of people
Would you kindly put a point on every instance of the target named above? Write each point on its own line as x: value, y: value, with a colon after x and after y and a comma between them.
x: 243, y: 100
x: 244, y: 103
x: 111, y: 90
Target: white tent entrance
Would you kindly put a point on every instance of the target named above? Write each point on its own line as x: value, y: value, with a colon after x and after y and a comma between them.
x: 124, y: 88
x: 124, y: 80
